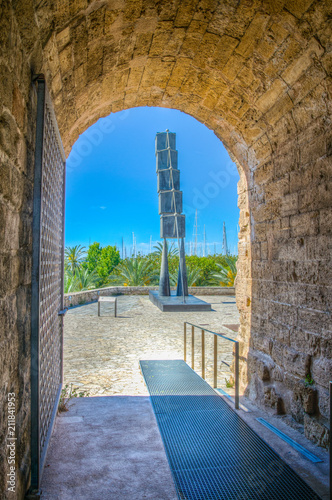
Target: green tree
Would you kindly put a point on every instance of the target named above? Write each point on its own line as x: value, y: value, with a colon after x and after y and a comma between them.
x: 93, y: 256
x: 102, y: 261
x: 74, y: 257
x: 134, y: 272
x: 108, y: 260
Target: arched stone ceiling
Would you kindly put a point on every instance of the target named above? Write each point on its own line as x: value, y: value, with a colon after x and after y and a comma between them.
x: 240, y: 67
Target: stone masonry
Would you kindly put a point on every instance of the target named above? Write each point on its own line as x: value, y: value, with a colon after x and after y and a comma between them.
x: 258, y: 73
x: 79, y: 298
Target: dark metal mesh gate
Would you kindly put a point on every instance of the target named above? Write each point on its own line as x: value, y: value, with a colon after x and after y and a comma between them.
x: 47, y: 280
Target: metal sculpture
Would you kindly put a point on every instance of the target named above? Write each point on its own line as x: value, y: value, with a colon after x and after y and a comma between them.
x: 172, y: 226
x: 172, y: 221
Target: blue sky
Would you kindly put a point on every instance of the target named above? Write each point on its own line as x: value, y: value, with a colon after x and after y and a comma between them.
x: 112, y: 182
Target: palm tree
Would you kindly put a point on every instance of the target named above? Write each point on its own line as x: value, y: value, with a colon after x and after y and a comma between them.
x: 134, y: 272
x: 172, y: 250
x: 193, y: 275
x: 74, y: 256
x: 84, y: 280
x: 68, y: 281
x: 226, y: 274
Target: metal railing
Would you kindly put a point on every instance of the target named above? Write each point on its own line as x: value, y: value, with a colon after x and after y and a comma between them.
x: 330, y: 447
x: 215, y: 356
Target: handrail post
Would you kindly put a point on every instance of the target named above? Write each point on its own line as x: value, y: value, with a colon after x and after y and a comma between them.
x: 203, y: 354
x: 215, y: 364
x: 192, y: 347
x: 237, y: 378
x: 330, y: 441
x: 185, y: 342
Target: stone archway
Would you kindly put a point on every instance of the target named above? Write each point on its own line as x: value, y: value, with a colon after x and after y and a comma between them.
x: 250, y: 71
x: 258, y: 73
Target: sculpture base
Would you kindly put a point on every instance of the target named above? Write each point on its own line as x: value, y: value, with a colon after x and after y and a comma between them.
x: 176, y: 304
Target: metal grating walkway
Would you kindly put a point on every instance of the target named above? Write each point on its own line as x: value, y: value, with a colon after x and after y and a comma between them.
x: 212, y: 452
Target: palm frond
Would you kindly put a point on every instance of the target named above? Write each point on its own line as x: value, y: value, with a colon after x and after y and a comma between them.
x: 172, y: 250
x: 134, y: 272
x: 82, y: 279
x: 74, y: 257
x: 226, y: 274
x: 193, y: 275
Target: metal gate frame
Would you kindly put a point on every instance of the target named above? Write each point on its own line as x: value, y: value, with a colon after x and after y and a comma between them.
x: 47, y: 280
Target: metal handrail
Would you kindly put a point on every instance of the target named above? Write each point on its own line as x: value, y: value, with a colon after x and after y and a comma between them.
x: 215, y: 352
x: 330, y: 451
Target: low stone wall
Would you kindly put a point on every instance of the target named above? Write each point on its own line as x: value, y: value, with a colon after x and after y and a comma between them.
x: 77, y: 298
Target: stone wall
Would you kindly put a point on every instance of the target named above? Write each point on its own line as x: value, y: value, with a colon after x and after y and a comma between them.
x: 258, y: 74
x: 290, y: 335
x: 17, y: 116
x: 78, y: 298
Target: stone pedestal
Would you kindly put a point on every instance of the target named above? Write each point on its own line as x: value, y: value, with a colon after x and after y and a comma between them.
x: 173, y: 303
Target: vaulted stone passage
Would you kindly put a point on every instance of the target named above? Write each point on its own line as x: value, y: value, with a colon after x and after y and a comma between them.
x: 258, y: 73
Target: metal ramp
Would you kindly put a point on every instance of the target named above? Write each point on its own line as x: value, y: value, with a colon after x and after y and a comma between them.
x: 213, y: 454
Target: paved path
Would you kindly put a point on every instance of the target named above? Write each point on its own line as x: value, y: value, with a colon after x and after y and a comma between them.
x: 101, y: 354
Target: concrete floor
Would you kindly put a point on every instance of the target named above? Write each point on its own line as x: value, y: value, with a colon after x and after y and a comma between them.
x: 107, y: 448
x: 110, y: 448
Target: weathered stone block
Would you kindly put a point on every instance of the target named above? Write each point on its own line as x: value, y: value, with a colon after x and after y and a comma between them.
x: 323, y: 402
x: 277, y: 189
x: 316, y: 430
x: 8, y: 316
x: 5, y: 177
x: 249, y: 40
x: 223, y: 51
x: 297, y: 411
x: 302, y: 63
x: 306, y: 83
x: 66, y: 59
x: 321, y: 371
x: 283, y: 105
x: 233, y: 66
x: 9, y: 274
x: 304, y: 224
x: 305, y: 398
x: 9, y: 135
x: 184, y: 14
x: 264, y: 174
x: 267, y: 100
x: 309, y: 200
x: 296, y: 362
x: 310, y: 400
x: 274, y: 400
